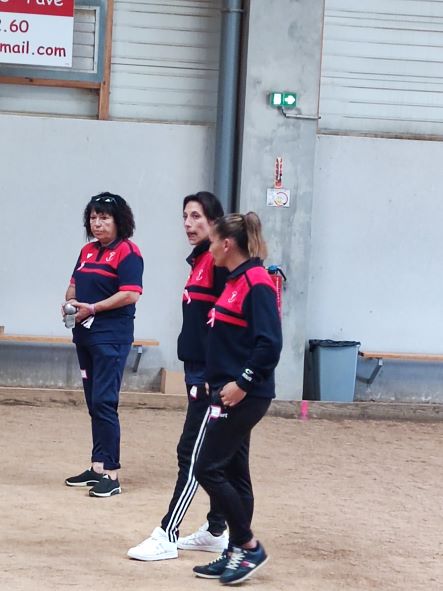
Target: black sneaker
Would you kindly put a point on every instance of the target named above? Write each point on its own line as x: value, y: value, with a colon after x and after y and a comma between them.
x: 214, y: 569
x: 105, y: 487
x: 86, y: 478
x: 242, y: 564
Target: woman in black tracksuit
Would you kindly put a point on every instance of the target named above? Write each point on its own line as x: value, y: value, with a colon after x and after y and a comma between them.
x: 244, y: 347
x: 205, y: 283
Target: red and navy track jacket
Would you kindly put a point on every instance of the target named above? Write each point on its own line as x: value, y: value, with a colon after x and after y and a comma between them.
x: 205, y: 284
x: 245, y: 340
x: 100, y: 272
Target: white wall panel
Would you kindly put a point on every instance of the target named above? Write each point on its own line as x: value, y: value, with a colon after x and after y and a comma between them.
x: 376, y: 244
x: 382, y: 67
x: 50, y: 168
x: 165, y: 60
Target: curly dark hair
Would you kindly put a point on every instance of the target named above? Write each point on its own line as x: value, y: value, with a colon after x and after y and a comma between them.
x: 112, y: 205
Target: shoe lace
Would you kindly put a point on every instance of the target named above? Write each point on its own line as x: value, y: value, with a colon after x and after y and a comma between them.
x: 235, y: 559
x: 159, y: 546
x: 219, y: 558
x: 152, y: 543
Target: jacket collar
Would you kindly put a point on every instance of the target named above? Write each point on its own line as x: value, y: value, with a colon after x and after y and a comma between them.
x: 110, y: 246
x: 241, y: 269
x: 198, y: 250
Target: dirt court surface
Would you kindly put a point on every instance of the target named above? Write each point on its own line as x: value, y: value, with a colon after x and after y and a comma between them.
x: 340, y: 506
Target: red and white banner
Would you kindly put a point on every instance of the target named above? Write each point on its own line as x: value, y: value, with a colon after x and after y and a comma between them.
x: 37, y: 32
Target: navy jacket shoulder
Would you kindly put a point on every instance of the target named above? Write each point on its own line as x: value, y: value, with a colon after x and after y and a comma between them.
x: 245, y: 340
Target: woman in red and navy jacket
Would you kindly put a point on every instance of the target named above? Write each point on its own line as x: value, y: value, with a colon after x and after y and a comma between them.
x: 105, y: 286
x: 244, y: 347
x: 204, y: 285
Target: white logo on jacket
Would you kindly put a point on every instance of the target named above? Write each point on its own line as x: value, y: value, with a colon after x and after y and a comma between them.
x: 233, y: 296
x: 248, y: 375
x: 200, y: 275
x: 110, y: 256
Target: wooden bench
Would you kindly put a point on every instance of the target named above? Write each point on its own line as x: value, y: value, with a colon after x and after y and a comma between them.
x: 138, y: 344
x: 380, y: 356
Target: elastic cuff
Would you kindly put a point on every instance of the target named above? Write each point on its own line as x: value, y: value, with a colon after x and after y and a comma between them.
x: 243, y: 384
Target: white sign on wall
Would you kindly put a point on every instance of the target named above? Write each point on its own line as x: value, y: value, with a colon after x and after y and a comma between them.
x: 278, y: 197
x: 36, y: 32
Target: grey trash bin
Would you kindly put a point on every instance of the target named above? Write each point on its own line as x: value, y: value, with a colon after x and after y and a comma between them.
x: 334, y: 365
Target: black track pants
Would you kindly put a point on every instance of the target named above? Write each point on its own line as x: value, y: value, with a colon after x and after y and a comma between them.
x: 222, y: 466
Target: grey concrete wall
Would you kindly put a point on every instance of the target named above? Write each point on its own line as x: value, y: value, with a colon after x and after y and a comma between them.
x: 376, y: 257
x: 401, y: 381
x: 35, y: 365
x: 283, y: 53
x: 49, y: 169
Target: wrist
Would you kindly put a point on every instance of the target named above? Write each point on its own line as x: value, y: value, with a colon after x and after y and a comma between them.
x: 242, y: 384
x: 92, y: 309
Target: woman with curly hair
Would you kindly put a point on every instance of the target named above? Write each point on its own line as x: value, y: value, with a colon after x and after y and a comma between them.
x: 104, y: 287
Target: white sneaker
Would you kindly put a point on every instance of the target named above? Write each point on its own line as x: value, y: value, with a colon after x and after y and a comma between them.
x: 156, y: 547
x: 202, y: 539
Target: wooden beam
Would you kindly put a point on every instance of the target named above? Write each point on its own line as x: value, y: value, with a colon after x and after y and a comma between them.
x: 145, y: 343
x: 103, y: 100
x: 53, y: 83
x: 26, y: 338
x: 402, y: 356
x: 22, y: 338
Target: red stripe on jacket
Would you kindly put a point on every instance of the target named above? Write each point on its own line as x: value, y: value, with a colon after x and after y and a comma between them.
x: 202, y: 297
x: 98, y: 272
x: 230, y: 319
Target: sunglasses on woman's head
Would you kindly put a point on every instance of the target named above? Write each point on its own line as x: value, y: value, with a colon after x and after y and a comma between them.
x: 103, y: 200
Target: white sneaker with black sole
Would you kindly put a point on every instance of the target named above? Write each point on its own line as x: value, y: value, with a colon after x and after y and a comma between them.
x: 106, y: 487
x: 202, y: 539
x: 156, y: 547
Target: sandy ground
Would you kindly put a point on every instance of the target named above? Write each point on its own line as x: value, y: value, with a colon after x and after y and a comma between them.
x: 348, y: 505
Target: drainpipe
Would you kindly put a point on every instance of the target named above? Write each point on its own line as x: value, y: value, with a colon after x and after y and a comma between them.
x: 227, y: 102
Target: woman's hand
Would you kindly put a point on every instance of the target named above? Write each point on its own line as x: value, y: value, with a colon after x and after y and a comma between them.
x: 231, y: 394
x: 83, y: 310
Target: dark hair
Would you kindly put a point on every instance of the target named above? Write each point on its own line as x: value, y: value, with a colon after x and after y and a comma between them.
x: 112, y: 205
x: 245, y: 230
x: 212, y: 208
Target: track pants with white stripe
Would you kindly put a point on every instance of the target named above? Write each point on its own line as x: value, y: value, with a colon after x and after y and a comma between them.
x: 187, y: 451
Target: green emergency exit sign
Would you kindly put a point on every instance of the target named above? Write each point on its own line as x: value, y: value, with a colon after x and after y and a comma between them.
x: 286, y: 99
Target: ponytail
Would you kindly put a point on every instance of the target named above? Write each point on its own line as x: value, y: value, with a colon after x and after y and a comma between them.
x: 256, y: 244
x: 246, y: 230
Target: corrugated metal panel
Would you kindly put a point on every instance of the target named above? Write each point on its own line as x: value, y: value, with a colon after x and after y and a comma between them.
x: 60, y: 101
x: 165, y: 60
x: 382, y: 66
